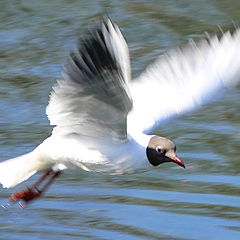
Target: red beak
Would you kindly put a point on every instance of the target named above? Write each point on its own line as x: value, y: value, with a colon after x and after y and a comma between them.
x: 178, y: 161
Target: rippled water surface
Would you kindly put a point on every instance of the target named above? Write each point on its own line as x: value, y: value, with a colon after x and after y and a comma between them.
x: 199, y: 202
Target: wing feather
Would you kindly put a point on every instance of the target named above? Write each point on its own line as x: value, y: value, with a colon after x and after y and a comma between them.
x: 183, y: 80
x: 93, y: 97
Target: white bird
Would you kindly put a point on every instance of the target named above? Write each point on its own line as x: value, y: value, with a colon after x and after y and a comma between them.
x: 101, y: 118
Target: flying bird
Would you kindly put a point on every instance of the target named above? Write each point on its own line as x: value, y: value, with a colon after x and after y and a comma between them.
x: 102, y: 119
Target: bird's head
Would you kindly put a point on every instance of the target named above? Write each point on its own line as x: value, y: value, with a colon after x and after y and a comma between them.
x: 161, y: 150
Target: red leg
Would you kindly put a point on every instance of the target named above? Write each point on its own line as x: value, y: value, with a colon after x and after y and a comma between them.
x: 35, y: 191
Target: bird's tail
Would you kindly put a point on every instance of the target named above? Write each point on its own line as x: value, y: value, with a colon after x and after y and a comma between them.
x: 16, y: 170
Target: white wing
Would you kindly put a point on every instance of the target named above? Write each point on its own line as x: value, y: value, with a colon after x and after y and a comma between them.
x: 93, y: 98
x: 183, y: 80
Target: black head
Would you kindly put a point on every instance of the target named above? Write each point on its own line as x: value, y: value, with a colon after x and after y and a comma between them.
x: 161, y: 150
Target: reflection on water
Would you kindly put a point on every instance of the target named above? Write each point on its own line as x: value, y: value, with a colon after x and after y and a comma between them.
x: 200, y: 202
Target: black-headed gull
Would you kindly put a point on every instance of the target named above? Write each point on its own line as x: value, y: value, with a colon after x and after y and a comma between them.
x: 101, y: 118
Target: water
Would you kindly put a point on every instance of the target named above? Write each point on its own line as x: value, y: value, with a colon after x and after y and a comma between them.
x: 199, y: 202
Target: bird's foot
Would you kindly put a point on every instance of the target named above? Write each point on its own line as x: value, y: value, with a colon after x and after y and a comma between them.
x: 34, y: 191
x: 25, y: 195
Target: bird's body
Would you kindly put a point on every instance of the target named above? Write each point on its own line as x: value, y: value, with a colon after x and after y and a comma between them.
x: 99, y: 155
x: 101, y: 118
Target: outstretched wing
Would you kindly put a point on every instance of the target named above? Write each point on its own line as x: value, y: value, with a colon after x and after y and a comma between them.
x: 93, y: 97
x: 183, y: 80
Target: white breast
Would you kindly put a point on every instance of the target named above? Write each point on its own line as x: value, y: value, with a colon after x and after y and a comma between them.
x: 99, y: 156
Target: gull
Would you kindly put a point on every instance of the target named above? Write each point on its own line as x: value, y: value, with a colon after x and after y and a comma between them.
x: 102, y: 119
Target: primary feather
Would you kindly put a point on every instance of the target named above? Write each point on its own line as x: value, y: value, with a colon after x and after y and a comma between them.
x: 183, y: 80
x: 93, y: 97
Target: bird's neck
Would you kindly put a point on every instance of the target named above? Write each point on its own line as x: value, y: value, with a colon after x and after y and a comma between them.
x: 142, y: 139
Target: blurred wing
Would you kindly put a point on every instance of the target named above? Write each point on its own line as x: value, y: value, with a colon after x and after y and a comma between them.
x: 93, y: 98
x: 183, y: 80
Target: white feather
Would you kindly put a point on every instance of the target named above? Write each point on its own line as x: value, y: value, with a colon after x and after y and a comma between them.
x: 16, y: 170
x: 97, y: 105
x: 183, y: 80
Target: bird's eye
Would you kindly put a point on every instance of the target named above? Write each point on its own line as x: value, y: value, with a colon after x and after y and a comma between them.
x: 159, y: 149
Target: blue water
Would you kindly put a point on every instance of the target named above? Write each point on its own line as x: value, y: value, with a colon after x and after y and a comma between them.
x: 199, y: 202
